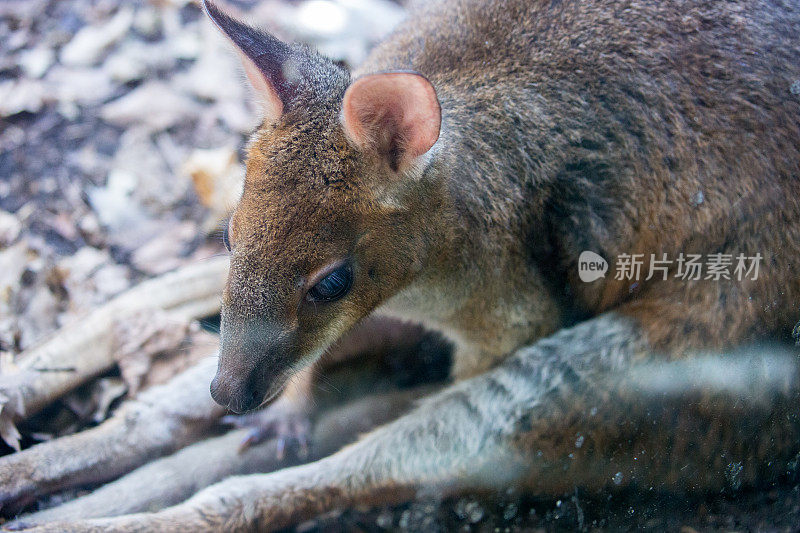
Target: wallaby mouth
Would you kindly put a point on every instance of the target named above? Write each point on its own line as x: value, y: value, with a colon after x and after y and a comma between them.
x: 247, y: 380
x: 255, y: 362
x: 247, y: 393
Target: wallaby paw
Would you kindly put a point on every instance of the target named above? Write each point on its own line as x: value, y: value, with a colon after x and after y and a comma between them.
x: 284, y: 420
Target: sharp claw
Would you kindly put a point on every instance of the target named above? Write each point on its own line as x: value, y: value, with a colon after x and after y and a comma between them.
x: 245, y: 444
x: 253, y: 437
x: 303, y: 452
x: 281, y: 448
x: 288, y: 430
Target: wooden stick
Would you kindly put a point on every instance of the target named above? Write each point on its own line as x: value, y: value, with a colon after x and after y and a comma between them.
x: 175, y: 478
x: 85, y: 348
x: 159, y: 421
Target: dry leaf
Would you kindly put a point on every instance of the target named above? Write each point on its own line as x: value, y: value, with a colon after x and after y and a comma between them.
x: 140, y: 338
x: 9, y: 409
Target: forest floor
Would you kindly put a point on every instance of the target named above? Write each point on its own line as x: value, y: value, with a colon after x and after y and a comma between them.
x: 122, y: 126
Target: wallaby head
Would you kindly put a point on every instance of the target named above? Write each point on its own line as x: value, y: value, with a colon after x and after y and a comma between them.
x: 327, y: 225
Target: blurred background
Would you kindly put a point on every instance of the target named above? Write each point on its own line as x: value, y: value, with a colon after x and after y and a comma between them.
x: 122, y: 126
x: 121, y: 134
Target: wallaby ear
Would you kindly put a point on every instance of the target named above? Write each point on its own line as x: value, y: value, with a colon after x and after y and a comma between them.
x: 268, y: 62
x: 395, y: 113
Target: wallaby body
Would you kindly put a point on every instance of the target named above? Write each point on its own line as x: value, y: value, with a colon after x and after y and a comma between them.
x: 572, y: 126
x: 455, y: 179
x: 564, y: 127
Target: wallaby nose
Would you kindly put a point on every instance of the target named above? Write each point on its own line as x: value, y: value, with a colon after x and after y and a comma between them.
x: 238, y: 396
x: 253, y: 355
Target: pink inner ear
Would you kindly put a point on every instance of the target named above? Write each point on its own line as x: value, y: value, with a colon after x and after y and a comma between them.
x: 262, y: 55
x: 394, y: 112
x: 271, y: 102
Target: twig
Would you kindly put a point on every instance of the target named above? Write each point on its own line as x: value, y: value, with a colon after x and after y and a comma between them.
x: 159, y: 421
x: 173, y: 479
x: 86, y: 346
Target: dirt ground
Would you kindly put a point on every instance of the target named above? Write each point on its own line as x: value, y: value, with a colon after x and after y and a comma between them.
x: 121, y: 131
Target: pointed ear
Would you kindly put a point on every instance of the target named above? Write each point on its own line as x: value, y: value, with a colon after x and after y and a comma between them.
x: 394, y: 113
x: 268, y: 62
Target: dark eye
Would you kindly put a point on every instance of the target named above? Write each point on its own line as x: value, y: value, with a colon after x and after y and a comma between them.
x: 226, y: 239
x: 333, y: 286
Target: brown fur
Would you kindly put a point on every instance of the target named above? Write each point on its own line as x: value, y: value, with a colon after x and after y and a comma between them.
x: 621, y: 112
x: 567, y: 126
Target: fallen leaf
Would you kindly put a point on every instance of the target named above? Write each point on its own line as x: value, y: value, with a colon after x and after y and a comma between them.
x: 218, y: 178
x: 88, y: 45
x: 11, y: 409
x: 140, y: 338
x: 155, y: 105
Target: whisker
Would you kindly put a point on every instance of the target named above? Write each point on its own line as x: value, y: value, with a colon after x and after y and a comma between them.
x: 212, y: 256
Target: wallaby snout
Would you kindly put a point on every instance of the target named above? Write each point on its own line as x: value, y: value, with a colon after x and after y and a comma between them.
x: 252, y: 366
x: 238, y: 397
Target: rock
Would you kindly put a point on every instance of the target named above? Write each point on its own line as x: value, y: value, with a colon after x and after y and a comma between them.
x: 88, y: 45
x: 155, y: 105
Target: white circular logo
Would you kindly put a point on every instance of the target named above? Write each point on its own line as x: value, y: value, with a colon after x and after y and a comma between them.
x: 591, y: 266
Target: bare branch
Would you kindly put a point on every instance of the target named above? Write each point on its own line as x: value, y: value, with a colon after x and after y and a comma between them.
x: 85, y: 348
x: 173, y: 479
x: 159, y: 421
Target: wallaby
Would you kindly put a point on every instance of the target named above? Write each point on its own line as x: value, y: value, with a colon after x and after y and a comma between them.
x: 455, y: 179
